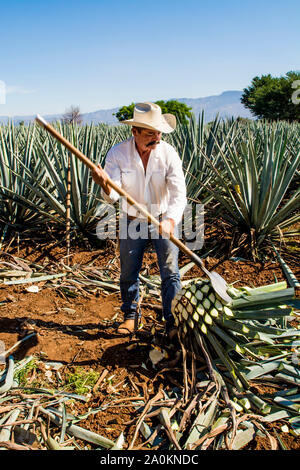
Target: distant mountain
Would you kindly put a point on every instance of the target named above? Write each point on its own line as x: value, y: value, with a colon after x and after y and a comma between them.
x: 227, y: 104
x: 103, y: 115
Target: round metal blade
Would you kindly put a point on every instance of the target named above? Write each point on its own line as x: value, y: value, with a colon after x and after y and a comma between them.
x: 220, y: 286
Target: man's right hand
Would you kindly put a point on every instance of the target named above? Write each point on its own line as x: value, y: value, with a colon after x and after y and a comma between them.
x: 101, y: 177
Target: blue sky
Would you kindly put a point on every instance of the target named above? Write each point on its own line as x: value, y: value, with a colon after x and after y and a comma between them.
x: 103, y: 54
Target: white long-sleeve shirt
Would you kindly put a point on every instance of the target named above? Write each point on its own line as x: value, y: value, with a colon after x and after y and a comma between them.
x: 161, y: 189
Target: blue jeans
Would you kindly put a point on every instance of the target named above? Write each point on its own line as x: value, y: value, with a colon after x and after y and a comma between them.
x: 131, y: 258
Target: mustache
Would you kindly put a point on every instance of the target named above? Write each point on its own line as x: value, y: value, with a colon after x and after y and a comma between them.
x: 153, y: 143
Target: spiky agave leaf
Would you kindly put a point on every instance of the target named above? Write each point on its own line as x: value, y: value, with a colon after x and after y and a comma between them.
x: 255, y: 185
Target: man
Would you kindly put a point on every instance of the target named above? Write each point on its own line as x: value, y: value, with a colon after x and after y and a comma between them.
x: 150, y: 171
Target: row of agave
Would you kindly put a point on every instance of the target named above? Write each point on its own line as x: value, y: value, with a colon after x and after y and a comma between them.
x: 34, y: 174
x: 248, y: 173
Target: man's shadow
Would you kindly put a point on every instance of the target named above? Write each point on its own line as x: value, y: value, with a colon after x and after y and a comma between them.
x: 122, y: 354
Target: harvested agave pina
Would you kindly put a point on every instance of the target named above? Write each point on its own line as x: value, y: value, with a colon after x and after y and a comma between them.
x: 197, y: 303
x: 227, y: 332
x: 196, y: 308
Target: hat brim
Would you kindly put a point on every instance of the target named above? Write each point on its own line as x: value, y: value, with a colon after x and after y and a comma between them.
x: 167, y: 124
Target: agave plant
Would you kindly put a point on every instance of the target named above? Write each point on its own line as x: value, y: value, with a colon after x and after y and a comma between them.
x: 20, y: 168
x: 35, y: 175
x: 85, y: 194
x: 254, y: 185
x: 247, y: 331
x: 193, y: 140
x: 249, y: 171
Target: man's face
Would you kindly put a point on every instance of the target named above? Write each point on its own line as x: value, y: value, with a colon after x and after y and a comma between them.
x: 146, y: 139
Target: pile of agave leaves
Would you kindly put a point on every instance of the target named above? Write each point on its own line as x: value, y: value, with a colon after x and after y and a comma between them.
x: 224, y: 352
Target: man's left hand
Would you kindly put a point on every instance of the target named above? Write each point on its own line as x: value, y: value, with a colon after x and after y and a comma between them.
x: 167, y: 227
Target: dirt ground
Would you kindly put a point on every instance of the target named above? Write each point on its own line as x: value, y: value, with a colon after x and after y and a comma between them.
x: 81, y: 332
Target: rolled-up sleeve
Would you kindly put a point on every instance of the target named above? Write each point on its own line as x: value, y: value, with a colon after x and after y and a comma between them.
x: 112, y: 168
x: 176, y: 187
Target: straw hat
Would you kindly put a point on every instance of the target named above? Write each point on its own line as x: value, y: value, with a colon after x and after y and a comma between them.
x: 149, y: 116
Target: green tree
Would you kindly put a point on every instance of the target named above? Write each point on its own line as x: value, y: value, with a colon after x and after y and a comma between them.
x: 180, y: 110
x: 126, y: 112
x: 272, y: 97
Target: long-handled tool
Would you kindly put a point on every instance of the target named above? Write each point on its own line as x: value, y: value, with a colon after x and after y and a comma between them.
x: 218, y: 283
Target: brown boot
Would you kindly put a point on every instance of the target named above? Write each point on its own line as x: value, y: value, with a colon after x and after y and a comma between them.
x: 126, y: 327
